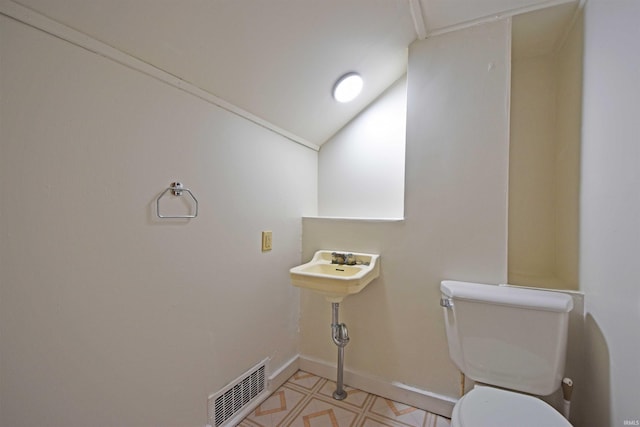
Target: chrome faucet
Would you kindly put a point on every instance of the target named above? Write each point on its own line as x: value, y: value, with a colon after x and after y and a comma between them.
x: 338, y: 258
x: 350, y: 259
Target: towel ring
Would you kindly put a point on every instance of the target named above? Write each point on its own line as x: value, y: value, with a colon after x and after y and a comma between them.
x: 176, y: 189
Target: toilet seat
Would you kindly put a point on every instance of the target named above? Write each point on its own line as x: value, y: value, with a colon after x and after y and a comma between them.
x: 488, y: 406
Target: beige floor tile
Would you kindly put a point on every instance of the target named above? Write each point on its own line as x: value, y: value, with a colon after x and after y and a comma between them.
x: 305, y: 380
x: 306, y: 400
x: 318, y: 413
x: 398, y: 412
x: 355, y: 397
x: 272, y: 411
x: 368, y: 421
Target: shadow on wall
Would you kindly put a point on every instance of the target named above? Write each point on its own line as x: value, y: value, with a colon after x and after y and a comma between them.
x: 594, y: 407
x: 575, y: 362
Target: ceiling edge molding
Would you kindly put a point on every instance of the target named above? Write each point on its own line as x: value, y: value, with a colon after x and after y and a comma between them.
x: 496, y: 17
x: 418, y: 19
x: 40, y: 22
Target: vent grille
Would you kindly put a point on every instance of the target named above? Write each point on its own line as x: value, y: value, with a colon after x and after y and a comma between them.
x: 234, y: 397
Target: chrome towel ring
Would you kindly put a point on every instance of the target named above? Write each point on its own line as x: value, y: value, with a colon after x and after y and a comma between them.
x: 176, y: 189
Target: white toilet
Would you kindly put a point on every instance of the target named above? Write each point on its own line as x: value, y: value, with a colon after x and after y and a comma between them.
x: 512, y: 341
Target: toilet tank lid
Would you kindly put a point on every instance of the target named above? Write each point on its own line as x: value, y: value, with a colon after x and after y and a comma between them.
x: 507, y: 295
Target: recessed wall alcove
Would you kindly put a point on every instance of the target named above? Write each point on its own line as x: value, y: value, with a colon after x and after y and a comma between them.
x: 544, y: 150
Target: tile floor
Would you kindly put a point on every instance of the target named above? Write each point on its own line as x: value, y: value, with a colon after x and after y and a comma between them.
x: 305, y: 400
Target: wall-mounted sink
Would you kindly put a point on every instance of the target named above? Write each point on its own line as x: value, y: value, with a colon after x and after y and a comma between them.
x: 336, y: 281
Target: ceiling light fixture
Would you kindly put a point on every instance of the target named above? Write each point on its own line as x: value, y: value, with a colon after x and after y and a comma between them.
x: 347, y: 87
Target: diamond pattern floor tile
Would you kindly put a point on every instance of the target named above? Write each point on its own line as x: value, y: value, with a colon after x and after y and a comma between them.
x: 306, y: 400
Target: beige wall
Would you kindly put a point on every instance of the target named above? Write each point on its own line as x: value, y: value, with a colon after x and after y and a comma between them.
x: 108, y: 315
x: 455, y: 209
x: 532, y: 174
x: 610, y: 212
x: 567, y: 160
x: 543, y: 166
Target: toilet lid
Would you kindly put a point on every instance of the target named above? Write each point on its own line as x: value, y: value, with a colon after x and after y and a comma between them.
x: 487, y: 406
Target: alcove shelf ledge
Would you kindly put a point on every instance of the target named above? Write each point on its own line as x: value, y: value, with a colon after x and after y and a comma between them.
x: 355, y: 219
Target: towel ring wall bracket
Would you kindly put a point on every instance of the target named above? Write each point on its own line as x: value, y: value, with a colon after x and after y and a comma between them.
x: 177, y: 189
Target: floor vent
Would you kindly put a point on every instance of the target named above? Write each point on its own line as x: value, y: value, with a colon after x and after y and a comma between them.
x: 234, y: 397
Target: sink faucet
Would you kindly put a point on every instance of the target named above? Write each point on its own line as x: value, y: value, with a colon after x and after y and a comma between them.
x: 338, y: 258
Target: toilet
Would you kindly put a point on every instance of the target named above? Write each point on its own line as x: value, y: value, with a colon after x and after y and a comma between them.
x: 512, y: 342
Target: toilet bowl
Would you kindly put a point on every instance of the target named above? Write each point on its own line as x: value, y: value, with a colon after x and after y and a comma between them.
x: 513, y: 341
x: 491, y: 407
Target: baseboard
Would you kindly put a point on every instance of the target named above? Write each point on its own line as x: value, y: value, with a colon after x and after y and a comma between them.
x: 396, y: 391
x: 423, y: 399
x: 286, y: 371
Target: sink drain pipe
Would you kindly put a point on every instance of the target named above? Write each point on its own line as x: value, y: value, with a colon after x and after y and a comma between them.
x: 340, y: 336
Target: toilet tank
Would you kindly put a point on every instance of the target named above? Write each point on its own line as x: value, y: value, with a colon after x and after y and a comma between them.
x: 515, y: 338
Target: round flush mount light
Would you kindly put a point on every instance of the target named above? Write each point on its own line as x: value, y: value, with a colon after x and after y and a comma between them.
x: 347, y: 87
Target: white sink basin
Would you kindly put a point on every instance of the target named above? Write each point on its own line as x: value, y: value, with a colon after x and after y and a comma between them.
x: 336, y: 281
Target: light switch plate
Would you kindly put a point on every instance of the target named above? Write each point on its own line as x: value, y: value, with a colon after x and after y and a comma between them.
x: 266, y: 241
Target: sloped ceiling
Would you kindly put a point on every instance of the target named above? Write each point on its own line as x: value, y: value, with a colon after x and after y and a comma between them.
x: 276, y: 59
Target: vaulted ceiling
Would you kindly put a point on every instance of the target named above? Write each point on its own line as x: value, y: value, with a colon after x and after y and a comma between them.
x: 278, y: 59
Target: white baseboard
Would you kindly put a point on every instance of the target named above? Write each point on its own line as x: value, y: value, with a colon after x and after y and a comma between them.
x: 285, y: 372
x: 396, y: 391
